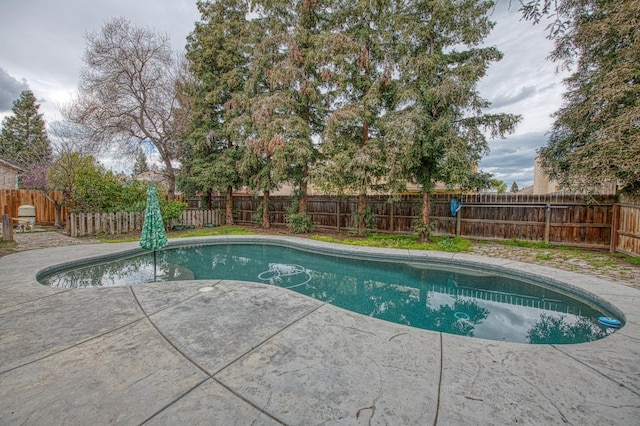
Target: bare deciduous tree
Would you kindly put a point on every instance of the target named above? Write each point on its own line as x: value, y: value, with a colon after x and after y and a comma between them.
x: 128, y: 93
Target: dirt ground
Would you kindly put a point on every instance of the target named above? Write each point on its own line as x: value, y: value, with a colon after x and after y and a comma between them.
x: 597, y: 263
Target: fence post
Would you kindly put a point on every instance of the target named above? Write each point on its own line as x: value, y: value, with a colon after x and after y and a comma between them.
x: 615, y: 225
x: 458, y: 220
x: 112, y: 228
x: 338, y: 213
x: 7, y: 227
x: 392, y: 216
x: 73, y: 225
x: 547, y: 223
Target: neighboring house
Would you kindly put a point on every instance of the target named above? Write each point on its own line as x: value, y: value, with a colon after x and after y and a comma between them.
x: 543, y: 185
x: 526, y: 191
x: 9, y: 175
x: 541, y: 182
x: 153, y: 175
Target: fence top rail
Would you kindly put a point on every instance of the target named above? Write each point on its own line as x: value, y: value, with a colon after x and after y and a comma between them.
x: 489, y: 198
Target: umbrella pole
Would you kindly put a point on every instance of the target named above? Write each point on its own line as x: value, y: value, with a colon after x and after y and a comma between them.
x: 154, y: 266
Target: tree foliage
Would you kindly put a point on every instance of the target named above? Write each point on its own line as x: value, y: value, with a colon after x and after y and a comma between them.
x: 290, y: 59
x: 359, y: 66
x: 140, y: 165
x: 24, y: 140
x: 438, y: 121
x: 218, y: 55
x: 129, y: 92
x: 386, y: 89
x: 596, y: 134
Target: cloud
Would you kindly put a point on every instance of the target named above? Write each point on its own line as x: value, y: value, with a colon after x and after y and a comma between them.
x: 512, y: 159
x: 10, y: 89
x: 513, y: 98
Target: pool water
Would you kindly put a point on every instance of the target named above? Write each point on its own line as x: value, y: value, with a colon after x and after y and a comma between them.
x: 442, y: 297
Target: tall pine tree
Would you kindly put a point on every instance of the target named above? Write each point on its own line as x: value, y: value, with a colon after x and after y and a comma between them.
x: 359, y: 64
x: 438, y: 121
x: 299, y: 29
x: 24, y: 139
x: 219, y: 52
x: 140, y: 165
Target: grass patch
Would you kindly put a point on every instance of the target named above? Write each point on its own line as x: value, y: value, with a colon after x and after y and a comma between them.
x: 544, y: 256
x: 634, y: 260
x: 408, y: 242
x: 202, y: 232
x: 526, y: 244
x: 121, y: 238
x: 208, y: 232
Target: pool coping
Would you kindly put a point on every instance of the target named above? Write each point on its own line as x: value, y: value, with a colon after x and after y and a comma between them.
x: 453, y: 379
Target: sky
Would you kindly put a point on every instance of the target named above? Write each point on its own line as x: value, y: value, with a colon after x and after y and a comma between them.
x: 43, y: 42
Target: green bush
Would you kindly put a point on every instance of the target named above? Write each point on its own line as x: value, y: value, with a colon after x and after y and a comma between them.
x: 171, y: 210
x: 369, y: 218
x: 299, y: 223
x: 424, y: 230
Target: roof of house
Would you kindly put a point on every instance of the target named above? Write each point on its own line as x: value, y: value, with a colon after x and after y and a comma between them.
x: 11, y: 165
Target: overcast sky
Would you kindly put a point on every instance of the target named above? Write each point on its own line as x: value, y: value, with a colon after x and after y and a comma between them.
x: 43, y: 42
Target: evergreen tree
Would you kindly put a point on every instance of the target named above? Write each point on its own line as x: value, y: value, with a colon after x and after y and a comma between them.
x: 359, y: 57
x: 24, y: 139
x: 514, y: 187
x: 438, y: 120
x: 140, y: 165
x: 219, y: 51
x: 297, y: 28
x: 596, y: 134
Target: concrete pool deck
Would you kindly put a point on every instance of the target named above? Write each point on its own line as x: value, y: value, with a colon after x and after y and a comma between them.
x: 247, y: 353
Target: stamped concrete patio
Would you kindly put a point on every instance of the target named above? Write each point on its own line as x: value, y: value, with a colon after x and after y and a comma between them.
x: 247, y: 353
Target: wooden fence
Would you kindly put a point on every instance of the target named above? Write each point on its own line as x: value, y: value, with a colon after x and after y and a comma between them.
x: 571, y: 220
x: 559, y: 219
x: 626, y: 225
x: 90, y: 224
x: 11, y: 199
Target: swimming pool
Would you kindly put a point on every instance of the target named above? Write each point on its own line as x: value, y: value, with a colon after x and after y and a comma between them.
x: 459, y: 298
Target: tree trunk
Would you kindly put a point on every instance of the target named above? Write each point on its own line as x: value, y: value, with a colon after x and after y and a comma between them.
x: 362, y: 206
x: 171, y: 186
x: 208, y: 200
x: 58, y: 208
x: 229, y: 205
x: 426, y: 207
x: 304, y: 188
x: 426, y: 211
x: 58, y: 216
x: 265, y: 210
x: 170, y: 174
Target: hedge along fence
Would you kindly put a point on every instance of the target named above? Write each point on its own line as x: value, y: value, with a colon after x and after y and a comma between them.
x: 11, y: 199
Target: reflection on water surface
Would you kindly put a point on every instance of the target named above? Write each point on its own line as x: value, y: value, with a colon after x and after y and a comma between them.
x: 446, y: 298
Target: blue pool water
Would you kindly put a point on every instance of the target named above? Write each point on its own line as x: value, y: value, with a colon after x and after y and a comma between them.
x: 436, y: 296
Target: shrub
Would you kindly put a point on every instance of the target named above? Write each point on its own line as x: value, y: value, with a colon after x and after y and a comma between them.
x: 299, y: 223
x: 171, y: 210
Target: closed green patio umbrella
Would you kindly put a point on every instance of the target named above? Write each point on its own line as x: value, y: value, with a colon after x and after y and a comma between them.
x: 153, y: 236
